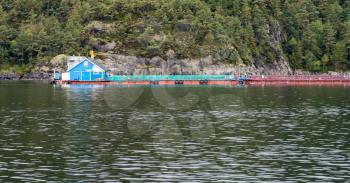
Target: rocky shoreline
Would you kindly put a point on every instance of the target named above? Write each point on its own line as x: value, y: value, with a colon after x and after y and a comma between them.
x: 28, y: 76
x: 132, y: 65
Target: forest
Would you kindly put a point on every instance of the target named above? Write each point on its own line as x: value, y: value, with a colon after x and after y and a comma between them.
x: 312, y: 35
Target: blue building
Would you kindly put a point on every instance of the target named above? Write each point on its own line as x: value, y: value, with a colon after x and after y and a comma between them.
x: 87, y: 70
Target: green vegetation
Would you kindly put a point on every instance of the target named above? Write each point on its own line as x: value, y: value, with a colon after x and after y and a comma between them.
x: 311, y: 34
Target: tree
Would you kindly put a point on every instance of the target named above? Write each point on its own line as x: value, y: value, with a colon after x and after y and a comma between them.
x: 339, y: 56
x: 329, y: 37
x: 27, y: 43
x: 312, y: 38
x: 73, y: 30
x: 246, y: 12
x: 324, y: 62
x: 322, y: 5
x: 333, y: 12
x: 3, y: 36
x: 3, y: 27
x: 51, y: 34
x: 311, y: 62
x: 295, y: 53
x: 346, y: 38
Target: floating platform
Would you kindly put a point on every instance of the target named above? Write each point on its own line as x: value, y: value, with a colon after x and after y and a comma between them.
x: 299, y: 80
x: 216, y: 80
x: 160, y: 82
x: 121, y: 78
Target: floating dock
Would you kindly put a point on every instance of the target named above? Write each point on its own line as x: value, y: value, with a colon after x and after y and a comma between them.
x: 162, y: 80
x: 189, y: 82
x: 215, y: 80
x: 88, y: 71
x: 300, y: 80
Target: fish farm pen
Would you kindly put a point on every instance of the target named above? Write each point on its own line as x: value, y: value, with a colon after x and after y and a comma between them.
x: 175, y: 79
x: 213, y: 80
x: 83, y: 70
x: 300, y: 80
x: 162, y: 80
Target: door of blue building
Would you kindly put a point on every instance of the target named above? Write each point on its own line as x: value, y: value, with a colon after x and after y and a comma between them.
x: 77, y: 76
x: 86, y: 76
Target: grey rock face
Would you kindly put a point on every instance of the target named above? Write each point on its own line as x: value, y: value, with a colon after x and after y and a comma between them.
x: 9, y: 76
x: 37, y: 76
x: 131, y: 65
x: 103, y: 47
x: 27, y: 76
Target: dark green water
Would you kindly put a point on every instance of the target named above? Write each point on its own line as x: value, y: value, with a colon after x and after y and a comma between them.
x: 153, y: 134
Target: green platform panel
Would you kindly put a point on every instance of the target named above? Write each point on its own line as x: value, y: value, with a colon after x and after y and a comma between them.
x: 170, y: 77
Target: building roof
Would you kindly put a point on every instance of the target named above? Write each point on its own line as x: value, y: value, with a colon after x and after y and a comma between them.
x: 72, y: 61
x: 99, y: 64
x: 95, y: 62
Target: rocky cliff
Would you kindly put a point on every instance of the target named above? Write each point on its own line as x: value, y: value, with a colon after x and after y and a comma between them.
x: 215, y: 64
x: 131, y: 65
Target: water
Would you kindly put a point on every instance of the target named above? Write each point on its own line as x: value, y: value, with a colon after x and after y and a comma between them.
x: 173, y: 134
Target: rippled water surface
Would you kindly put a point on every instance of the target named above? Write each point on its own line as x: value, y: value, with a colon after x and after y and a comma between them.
x: 152, y: 134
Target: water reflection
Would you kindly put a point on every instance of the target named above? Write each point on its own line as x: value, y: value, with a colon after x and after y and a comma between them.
x: 209, y: 134
x: 175, y: 98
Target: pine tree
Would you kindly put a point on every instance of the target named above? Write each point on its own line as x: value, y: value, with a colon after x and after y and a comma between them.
x: 324, y: 62
x: 346, y: 38
x: 295, y: 53
x: 51, y: 34
x: 3, y: 28
x: 73, y: 30
x: 339, y: 56
x: 311, y: 62
x: 246, y: 12
x: 333, y: 12
x: 322, y: 5
x: 329, y: 37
